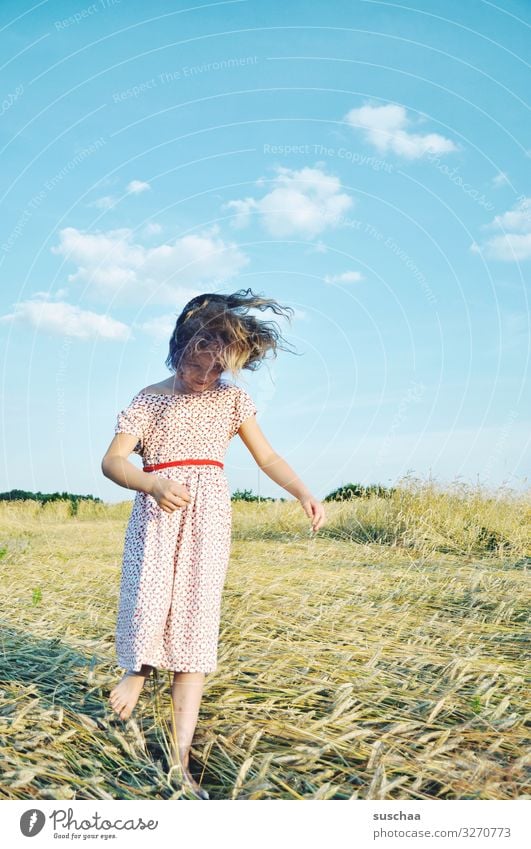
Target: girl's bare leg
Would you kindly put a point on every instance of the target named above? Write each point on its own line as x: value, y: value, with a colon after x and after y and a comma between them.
x: 186, y: 693
x: 125, y: 695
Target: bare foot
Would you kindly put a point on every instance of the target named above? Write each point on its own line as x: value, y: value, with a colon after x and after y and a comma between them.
x: 182, y: 771
x: 125, y: 695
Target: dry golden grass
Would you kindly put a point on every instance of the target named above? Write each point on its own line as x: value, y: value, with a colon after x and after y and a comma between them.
x: 383, y: 659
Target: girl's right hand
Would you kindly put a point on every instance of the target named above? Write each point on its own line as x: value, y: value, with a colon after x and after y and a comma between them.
x: 168, y: 494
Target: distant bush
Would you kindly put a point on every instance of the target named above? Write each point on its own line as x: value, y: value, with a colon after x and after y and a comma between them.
x: 46, y: 497
x: 357, y: 490
x: 248, y: 495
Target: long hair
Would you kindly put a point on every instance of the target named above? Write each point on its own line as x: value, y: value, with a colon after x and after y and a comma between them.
x: 220, y: 324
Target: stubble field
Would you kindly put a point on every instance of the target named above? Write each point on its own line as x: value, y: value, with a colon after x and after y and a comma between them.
x: 384, y: 658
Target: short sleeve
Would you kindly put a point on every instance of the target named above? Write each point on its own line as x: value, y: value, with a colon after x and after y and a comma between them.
x: 132, y: 420
x: 244, y: 408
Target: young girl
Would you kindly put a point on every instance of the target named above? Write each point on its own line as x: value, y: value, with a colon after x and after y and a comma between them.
x: 177, y: 541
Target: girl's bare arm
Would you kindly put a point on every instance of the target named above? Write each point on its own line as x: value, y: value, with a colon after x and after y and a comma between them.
x: 119, y: 469
x: 269, y: 461
x: 279, y: 470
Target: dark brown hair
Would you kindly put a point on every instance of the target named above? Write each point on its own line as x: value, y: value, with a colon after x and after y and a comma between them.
x: 220, y: 324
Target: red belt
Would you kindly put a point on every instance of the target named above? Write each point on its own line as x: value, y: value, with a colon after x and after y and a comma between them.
x: 183, y: 463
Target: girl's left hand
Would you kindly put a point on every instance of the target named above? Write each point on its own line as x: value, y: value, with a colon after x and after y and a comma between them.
x: 314, y: 510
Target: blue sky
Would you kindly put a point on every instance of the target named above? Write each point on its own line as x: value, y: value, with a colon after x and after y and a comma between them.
x: 366, y: 163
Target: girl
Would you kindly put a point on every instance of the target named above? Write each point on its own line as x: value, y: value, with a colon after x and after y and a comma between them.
x: 177, y: 541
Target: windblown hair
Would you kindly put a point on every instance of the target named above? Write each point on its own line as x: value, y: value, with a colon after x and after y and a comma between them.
x: 220, y: 324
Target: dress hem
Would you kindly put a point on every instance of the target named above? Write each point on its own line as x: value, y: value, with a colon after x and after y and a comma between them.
x: 132, y: 667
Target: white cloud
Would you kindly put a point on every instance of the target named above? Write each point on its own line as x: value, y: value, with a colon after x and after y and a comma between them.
x: 302, y: 203
x: 512, y: 247
x: 113, y: 264
x: 518, y: 218
x: 500, y: 179
x: 385, y: 128
x: 243, y: 211
x: 106, y: 202
x: 59, y: 319
x: 136, y: 187
x: 515, y: 242
x: 345, y: 277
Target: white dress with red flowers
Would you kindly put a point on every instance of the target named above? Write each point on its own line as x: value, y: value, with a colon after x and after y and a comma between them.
x: 174, y: 564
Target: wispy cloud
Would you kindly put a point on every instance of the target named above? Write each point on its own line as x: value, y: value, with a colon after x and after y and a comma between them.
x: 302, y: 203
x: 113, y: 263
x: 386, y: 128
x: 515, y: 242
x: 105, y: 202
x: 345, y: 277
x: 58, y: 318
x: 500, y: 179
x: 136, y: 187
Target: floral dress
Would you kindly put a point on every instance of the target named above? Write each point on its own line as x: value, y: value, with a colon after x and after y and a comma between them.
x: 174, y: 564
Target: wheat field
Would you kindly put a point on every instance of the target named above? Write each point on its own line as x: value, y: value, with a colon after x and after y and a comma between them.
x: 383, y: 658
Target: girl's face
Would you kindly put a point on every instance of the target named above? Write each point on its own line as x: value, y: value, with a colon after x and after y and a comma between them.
x: 201, y: 374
